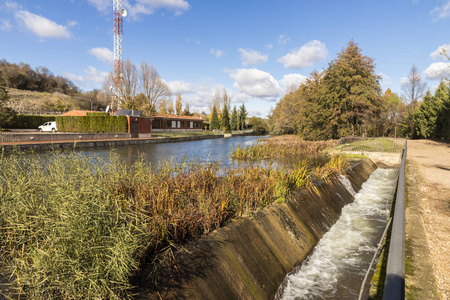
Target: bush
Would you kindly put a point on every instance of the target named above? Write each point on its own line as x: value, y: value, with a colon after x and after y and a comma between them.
x: 28, y: 121
x: 93, y: 123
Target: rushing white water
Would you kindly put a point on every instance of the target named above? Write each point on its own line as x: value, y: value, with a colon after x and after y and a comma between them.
x: 336, y: 267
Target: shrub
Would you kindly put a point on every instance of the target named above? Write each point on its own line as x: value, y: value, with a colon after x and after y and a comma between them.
x: 28, y: 121
x: 92, y: 123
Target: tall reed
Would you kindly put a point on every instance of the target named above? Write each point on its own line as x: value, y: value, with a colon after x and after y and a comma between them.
x: 74, y: 227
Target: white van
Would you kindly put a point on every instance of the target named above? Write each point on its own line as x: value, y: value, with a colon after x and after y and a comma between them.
x: 48, y: 126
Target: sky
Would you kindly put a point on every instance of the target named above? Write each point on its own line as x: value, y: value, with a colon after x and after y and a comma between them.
x: 256, y: 50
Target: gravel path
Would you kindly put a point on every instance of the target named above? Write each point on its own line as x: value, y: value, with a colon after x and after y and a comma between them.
x: 428, y: 219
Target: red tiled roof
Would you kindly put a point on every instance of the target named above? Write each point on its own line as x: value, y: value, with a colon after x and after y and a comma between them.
x: 191, y: 118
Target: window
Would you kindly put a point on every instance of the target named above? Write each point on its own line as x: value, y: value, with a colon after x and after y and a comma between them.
x: 169, y: 124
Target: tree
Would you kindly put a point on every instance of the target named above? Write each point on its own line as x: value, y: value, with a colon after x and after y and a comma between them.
x: 170, y: 110
x: 214, y: 120
x: 153, y: 88
x: 225, y: 119
x: 186, y: 111
x: 234, y: 119
x: 413, y: 88
x: 242, y: 116
x: 427, y: 118
x: 6, y: 113
x: 178, y: 105
x: 258, y: 125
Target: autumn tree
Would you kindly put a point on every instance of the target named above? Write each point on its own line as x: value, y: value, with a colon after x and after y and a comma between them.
x: 186, y: 111
x: 392, y: 113
x: 214, y: 119
x: 178, y: 105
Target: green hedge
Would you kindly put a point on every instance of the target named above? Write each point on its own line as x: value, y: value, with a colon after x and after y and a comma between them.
x: 94, y: 123
x: 28, y: 121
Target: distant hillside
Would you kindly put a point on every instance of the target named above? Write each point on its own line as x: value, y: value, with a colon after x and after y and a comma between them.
x: 32, y: 102
x: 23, y: 77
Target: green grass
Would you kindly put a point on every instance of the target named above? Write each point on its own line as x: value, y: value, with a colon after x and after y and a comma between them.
x: 74, y: 227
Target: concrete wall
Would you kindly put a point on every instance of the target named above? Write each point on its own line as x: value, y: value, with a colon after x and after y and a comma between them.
x: 249, y: 258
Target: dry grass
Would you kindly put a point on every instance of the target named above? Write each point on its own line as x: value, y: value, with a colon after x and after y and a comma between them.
x: 281, y: 146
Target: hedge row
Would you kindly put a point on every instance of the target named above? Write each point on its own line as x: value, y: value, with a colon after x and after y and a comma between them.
x: 95, y: 123
x: 28, y: 121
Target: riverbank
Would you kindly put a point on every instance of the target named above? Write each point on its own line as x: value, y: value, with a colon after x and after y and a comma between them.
x: 45, y: 142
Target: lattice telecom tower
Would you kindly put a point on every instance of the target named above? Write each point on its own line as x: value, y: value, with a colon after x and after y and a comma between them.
x: 118, y: 13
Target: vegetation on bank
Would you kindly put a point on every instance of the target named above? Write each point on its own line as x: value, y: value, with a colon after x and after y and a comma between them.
x: 74, y: 227
x: 281, y: 146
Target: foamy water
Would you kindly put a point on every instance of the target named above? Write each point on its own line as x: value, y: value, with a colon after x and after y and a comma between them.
x: 336, y: 267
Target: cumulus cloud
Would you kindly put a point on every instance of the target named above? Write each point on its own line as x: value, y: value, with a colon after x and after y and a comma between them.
x: 255, y: 83
x: 78, y: 80
x: 438, y: 54
x: 103, y: 54
x: 307, y: 55
x: 143, y: 7
x: 441, y: 12
x: 292, y: 80
x: 95, y: 75
x: 252, y: 57
x: 41, y: 26
x: 216, y: 53
x: 436, y: 70
x: 180, y: 87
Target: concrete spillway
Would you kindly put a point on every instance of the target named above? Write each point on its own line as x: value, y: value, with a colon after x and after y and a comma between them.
x: 250, y: 257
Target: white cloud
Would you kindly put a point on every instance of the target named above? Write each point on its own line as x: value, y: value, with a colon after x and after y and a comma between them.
x: 143, y: 7
x: 95, y: 75
x: 180, y: 87
x: 437, y: 54
x: 42, y: 26
x: 252, y: 57
x: 307, y: 55
x: 5, y: 25
x: 404, y: 80
x: 78, y: 80
x: 436, y: 70
x: 103, y: 54
x: 216, y: 53
x: 385, y: 79
x: 441, y: 12
x: 292, y: 80
x: 255, y: 83
x: 282, y: 39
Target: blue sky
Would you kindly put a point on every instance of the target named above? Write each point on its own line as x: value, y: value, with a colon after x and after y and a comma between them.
x: 254, y: 49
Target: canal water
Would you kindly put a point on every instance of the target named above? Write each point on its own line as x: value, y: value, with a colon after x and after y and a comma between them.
x: 337, y: 266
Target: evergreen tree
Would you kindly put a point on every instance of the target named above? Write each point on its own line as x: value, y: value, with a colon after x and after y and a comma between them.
x: 214, y: 120
x: 234, y: 119
x: 6, y: 113
x: 427, y: 114
x: 442, y: 127
x: 225, y: 119
x: 242, y: 116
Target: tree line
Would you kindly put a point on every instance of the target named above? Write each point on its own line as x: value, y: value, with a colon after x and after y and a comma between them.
x: 346, y: 99
x: 23, y: 77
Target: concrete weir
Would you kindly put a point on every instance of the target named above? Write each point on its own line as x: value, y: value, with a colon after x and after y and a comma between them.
x: 250, y: 257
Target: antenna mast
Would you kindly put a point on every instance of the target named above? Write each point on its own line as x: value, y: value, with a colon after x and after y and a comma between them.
x: 118, y: 13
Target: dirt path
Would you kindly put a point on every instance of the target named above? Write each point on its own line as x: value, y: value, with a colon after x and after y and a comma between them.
x: 428, y: 220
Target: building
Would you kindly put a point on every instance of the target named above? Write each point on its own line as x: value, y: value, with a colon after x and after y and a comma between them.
x: 163, y: 123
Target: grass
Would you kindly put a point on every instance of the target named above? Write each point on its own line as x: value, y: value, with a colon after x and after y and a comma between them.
x: 375, y: 145
x: 74, y: 227
x: 280, y: 146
